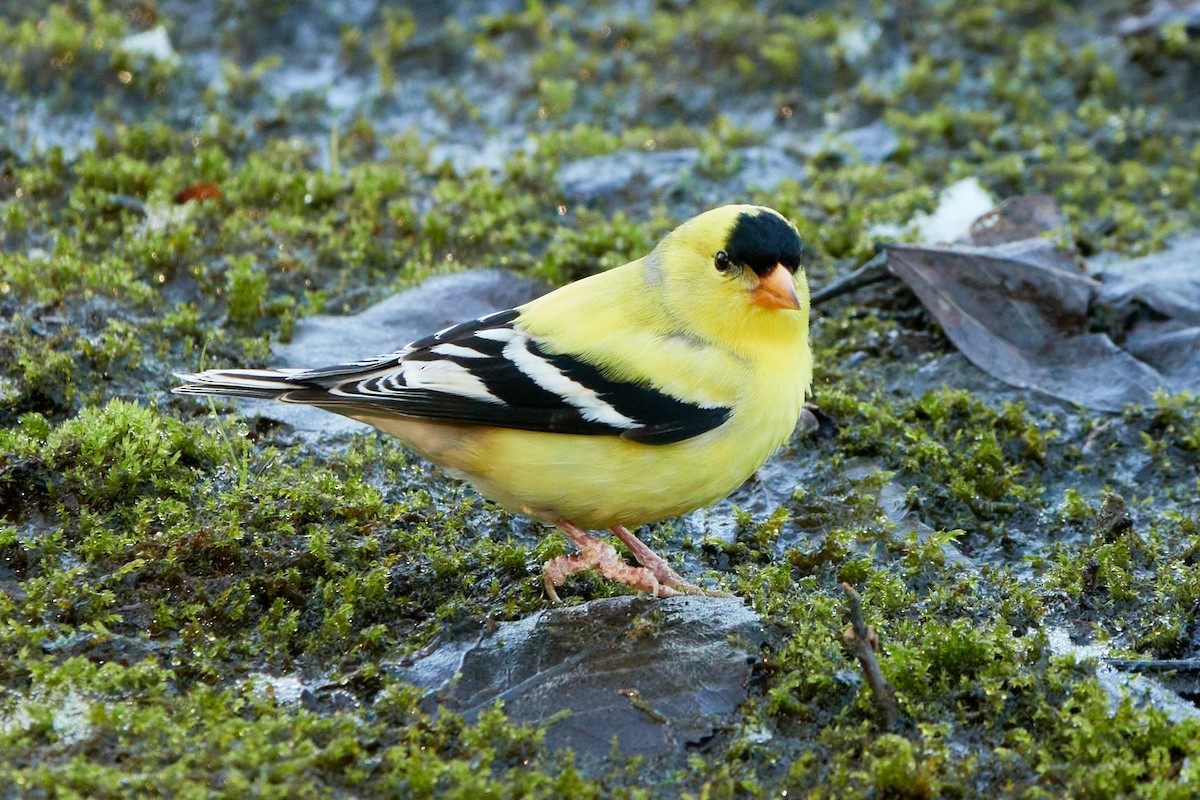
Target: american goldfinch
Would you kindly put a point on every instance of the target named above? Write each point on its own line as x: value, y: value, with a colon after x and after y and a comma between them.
x: 627, y: 397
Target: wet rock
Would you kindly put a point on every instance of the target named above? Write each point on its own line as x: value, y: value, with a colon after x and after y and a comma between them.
x: 25, y: 484
x: 1187, y: 15
x: 772, y: 485
x: 766, y: 167
x: 108, y: 648
x: 602, y: 176
x: 954, y: 369
x: 658, y: 676
x: 871, y: 144
x: 661, y: 171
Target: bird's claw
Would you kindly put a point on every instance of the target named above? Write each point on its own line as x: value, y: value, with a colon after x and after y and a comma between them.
x: 655, y: 576
x: 602, y: 557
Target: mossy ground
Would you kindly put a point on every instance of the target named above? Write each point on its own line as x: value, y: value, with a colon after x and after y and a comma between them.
x: 157, y: 560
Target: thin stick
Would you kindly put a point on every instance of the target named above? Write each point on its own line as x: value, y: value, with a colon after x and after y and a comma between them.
x: 871, y: 272
x: 1155, y: 664
x: 864, y: 641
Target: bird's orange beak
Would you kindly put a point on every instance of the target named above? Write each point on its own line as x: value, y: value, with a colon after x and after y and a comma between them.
x: 776, y: 289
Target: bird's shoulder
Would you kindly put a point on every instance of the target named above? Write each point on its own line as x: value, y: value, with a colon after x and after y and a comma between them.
x: 618, y: 323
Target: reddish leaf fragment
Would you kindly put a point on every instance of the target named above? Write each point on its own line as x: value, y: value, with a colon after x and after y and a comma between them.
x: 198, y: 192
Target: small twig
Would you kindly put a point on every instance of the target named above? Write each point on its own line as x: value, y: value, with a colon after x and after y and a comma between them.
x: 873, y: 271
x: 1185, y: 665
x: 864, y: 641
x: 642, y: 704
x: 131, y: 203
x: 1178, y: 675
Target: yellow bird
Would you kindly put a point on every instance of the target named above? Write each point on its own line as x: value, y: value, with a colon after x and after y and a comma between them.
x: 630, y: 396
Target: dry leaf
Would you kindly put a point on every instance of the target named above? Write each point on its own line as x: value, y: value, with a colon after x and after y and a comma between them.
x: 1021, y: 313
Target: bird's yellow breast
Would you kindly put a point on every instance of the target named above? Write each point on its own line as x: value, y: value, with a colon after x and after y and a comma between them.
x: 602, y: 481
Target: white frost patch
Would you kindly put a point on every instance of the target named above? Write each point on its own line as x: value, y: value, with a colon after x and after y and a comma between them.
x: 69, y: 716
x: 153, y: 43
x: 161, y: 217
x: 286, y: 690
x: 1061, y: 645
x: 886, y: 231
x: 1118, y: 685
x: 959, y: 205
x: 858, y: 43
x: 9, y: 391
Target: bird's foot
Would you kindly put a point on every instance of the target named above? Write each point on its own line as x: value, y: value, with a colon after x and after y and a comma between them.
x: 657, y: 564
x: 602, y: 557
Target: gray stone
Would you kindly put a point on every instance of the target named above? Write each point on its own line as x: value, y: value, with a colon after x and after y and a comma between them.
x: 602, y: 176
x: 660, y: 171
x: 870, y: 144
x: 656, y: 676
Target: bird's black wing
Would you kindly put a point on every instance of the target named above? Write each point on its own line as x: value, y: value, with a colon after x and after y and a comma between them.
x: 491, y: 372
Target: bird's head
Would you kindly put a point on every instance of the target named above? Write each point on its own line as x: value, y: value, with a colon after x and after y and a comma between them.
x: 734, y: 273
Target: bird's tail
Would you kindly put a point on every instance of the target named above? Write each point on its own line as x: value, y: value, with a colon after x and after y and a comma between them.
x: 266, y: 384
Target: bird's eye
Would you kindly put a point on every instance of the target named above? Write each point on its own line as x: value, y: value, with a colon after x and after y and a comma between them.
x: 723, y: 262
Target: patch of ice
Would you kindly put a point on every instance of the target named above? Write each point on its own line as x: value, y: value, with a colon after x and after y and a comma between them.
x: 70, y: 716
x: 1060, y: 643
x: 285, y: 689
x: 160, y: 217
x: 886, y: 231
x: 958, y: 206
x: 153, y: 43
x: 859, y: 42
x: 1119, y: 686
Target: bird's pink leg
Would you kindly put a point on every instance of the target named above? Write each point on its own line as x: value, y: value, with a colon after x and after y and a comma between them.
x: 602, y: 557
x: 655, y: 563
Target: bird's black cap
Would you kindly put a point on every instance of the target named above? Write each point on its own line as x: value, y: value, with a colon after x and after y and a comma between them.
x: 762, y: 239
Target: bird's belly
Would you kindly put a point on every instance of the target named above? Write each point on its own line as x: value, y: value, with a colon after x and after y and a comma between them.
x: 595, y: 482
x: 600, y: 481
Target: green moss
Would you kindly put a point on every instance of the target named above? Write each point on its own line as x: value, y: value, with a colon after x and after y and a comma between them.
x: 156, y: 561
x: 247, y: 292
x: 77, y: 48
x: 1175, y: 422
x: 961, y: 453
x: 190, y: 744
x: 388, y: 44
x: 556, y: 97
